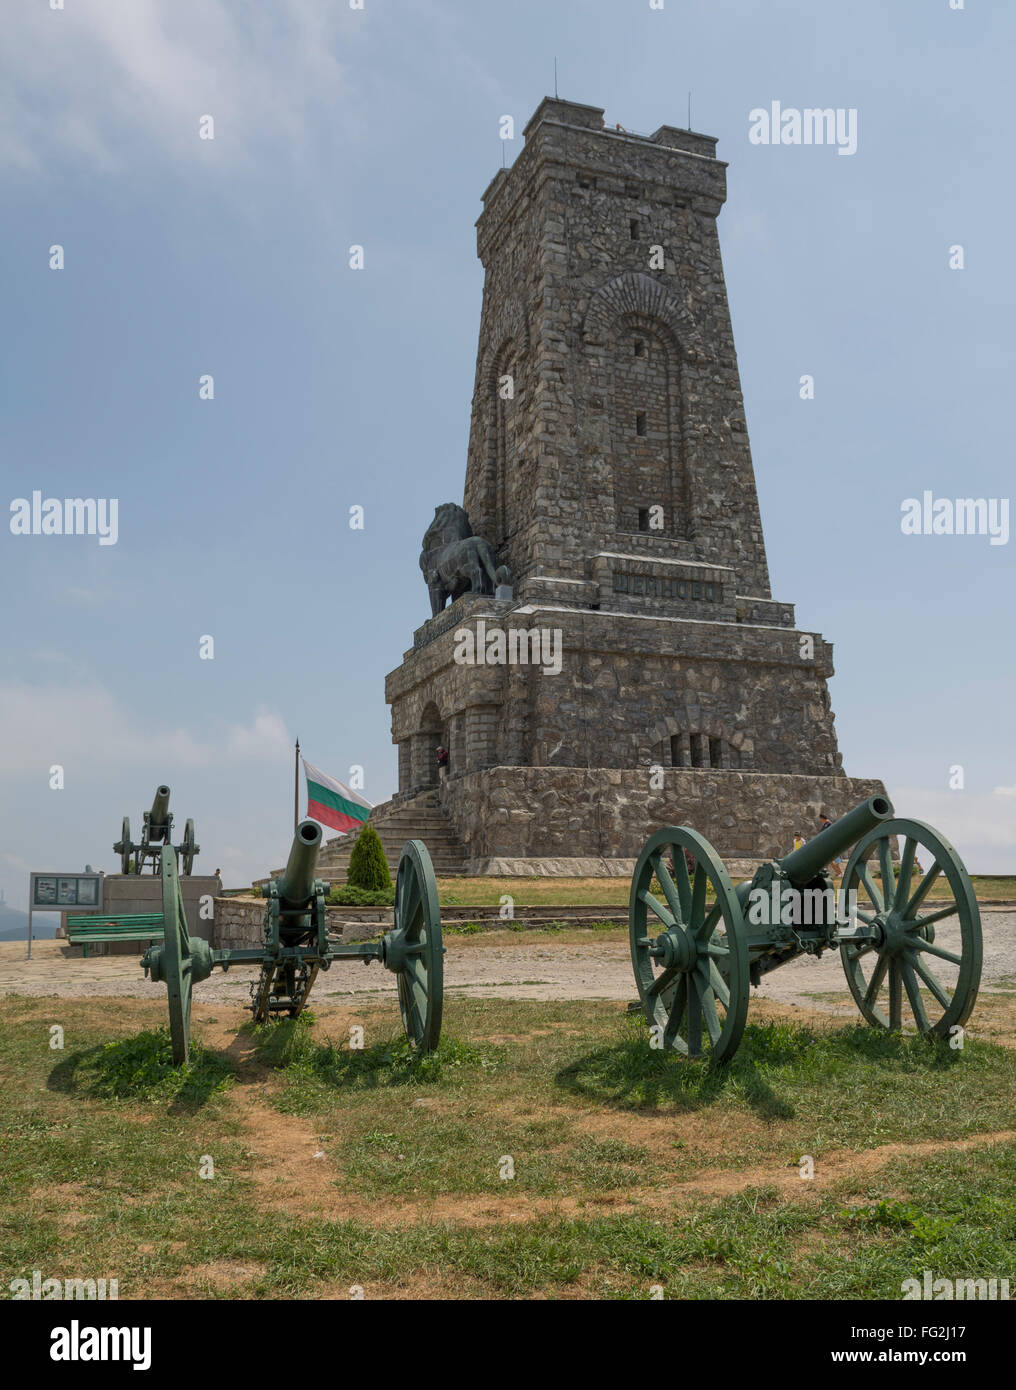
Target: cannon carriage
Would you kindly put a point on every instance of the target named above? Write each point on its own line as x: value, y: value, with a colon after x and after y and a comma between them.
x: 296, y: 944
x: 156, y: 833
x: 698, y: 943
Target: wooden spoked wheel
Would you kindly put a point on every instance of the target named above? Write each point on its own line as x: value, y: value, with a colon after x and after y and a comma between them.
x: 690, y: 955
x: 189, y: 848
x: 413, y: 949
x: 175, y: 965
x: 124, y: 846
x: 924, y: 965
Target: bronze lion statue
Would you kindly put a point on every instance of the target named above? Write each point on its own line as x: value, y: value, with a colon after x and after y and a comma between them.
x: 454, y: 561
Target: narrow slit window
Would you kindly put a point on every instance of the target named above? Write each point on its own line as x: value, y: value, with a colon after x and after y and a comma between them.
x: 715, y: 753
x: 640, y: 423
x: 633, y: 228
x: 640, y: 348
x: 676, y: 751
x: 643, y: 518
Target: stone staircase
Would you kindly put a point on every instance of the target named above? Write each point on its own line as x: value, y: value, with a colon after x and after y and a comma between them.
x: 418, y: 819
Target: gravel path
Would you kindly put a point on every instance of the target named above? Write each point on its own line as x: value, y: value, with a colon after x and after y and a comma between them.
x: 539, y: 968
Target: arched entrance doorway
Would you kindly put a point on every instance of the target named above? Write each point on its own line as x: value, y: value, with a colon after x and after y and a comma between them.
x: 430, y: 737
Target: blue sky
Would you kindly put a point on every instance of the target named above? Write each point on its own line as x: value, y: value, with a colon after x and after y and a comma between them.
x: 335, y: 388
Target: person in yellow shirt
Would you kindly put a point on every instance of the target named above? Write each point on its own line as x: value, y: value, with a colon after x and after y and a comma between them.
x: 798, y: 840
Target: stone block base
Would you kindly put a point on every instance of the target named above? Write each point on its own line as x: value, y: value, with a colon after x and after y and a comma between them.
x: 240, y: 923
x: 583, y: 822
x: 130, y: 893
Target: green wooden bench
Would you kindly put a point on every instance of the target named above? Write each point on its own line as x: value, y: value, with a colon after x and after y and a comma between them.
x: 123, y: 926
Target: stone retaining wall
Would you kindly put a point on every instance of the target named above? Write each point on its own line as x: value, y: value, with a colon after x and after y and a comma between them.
x: 240, y: 923
x: 518, y: 820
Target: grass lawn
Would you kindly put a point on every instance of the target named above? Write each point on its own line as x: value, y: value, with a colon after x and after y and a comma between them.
x: 579, y: 892
x: 545, y: 1151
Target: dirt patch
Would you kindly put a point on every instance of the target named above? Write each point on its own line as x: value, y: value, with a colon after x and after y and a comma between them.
x: 832, y: 1167
x: 223, y: 1276
x: 422, y: 1285
x: 290, y: 1163
x: 220, y: 1031
x: 672, y: 1139
x: 65, y: 1200
x: 295, y: 1176
x: 224, y: 1273
x: 994, y: 1019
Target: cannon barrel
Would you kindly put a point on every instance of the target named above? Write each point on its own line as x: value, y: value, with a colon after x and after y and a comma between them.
x: 296, y: 887
x: 158, y: 816
x: 803, y: 864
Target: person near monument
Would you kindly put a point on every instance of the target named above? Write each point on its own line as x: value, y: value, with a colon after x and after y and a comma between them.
x: 442, y: 762
x: 825, y: 823
x: 798, y: 840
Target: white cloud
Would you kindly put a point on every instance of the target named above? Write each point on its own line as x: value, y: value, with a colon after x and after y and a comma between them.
x: 981, y: 825
x: 104, y: 82
x: 267, y: 736
x: 83, y: 727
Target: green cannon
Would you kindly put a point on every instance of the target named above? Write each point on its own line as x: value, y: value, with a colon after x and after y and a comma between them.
x: 296, y: 944
x: 156, y: 832
x: 713, y: 941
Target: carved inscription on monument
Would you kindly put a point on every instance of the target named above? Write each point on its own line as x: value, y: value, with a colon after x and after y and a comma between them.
x: 659, y: 586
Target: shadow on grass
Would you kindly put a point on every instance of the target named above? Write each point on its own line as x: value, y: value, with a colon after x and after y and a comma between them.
x: 286, y: 1045
x: 771, y: 1060
x: 141, y: 1068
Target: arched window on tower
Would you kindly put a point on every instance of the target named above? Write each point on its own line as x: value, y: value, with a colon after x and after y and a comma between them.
x: 693, y: 749
x: 645, y: 429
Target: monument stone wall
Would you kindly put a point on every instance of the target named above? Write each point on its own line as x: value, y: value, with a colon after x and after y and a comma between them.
x: 640, y: 672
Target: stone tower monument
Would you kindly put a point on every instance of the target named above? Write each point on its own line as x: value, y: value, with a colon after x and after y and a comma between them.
x: 641, y: 672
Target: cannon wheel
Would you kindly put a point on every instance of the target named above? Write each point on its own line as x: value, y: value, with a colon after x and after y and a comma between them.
x: 125, y: 846
x: 413, y: 950
x: 938, y: 980
x: 692, y: 977
x: 188, y: 849
x: 176, y: 957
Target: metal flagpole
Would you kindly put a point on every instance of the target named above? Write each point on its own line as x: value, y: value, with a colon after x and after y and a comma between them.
x: 296, y: 787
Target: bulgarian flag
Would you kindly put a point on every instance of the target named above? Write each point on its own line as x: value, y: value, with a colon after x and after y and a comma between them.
x: 332, y: 803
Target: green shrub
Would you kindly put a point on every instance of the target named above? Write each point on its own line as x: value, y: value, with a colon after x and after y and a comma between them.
x: 368, y: 867
x: 345, y: 896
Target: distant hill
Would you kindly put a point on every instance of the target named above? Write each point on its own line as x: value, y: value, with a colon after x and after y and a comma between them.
x: 14, y: 925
